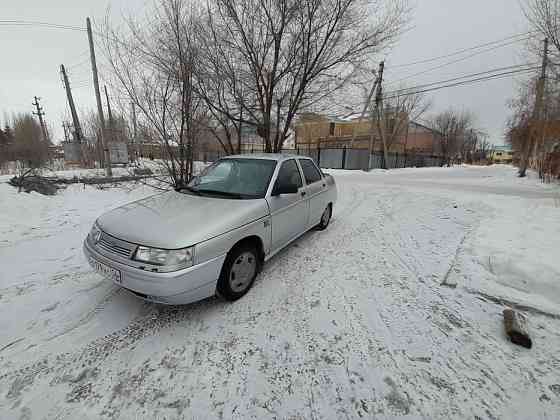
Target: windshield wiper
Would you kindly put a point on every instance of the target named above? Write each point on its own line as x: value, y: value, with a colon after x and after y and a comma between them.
x: 223, y: 193
x: 190, y: 189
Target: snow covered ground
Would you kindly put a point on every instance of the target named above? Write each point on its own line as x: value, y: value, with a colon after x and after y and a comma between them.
x: 350, y: 322
x: 156, y: 166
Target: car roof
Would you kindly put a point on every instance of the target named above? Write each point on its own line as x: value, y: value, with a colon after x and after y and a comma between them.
x: 267, y: 156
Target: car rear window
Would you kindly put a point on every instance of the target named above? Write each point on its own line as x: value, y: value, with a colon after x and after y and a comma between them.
x: 310, y: 171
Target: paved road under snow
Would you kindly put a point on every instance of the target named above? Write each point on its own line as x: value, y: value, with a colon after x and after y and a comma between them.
x: 350, y: 322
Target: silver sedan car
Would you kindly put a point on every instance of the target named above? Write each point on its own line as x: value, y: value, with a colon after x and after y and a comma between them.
x: 213, y: 235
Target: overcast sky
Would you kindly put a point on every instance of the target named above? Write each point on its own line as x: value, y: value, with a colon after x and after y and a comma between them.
x: 31, y: 56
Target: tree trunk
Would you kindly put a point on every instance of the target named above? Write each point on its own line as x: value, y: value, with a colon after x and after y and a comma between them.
x: 524, y: 161
x: 385, y: 154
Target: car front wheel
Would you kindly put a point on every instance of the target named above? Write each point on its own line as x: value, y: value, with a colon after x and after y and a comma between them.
x: 239, y: 272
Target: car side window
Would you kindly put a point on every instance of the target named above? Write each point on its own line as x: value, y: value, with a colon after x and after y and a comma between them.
x: 310, y: 171
x: 289, y: 174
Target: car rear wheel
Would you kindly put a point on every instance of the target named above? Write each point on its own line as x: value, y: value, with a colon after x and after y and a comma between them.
x: 325, y: 218
x: 239, y: 272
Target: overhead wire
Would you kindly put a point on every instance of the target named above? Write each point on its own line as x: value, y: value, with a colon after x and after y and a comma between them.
x: 526, y: 66
x: 40, y: 24
x: 31, y: 23
x: 78, y: 65
x: 412, y: 90
x: 464, y: 50
x: 451, y: 62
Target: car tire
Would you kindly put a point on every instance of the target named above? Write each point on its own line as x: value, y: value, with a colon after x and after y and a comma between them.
x: 325, y: 218
x: 239, y: 272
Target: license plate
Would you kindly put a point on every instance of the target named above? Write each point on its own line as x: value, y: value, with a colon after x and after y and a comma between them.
x: 106, y: 271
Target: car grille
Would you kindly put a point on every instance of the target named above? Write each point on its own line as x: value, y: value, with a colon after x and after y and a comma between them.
x: 115, y: 246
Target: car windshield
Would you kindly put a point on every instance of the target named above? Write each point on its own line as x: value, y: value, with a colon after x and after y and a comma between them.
x: 234, y: 178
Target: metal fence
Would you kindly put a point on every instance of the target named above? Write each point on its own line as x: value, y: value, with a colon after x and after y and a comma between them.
x: 359, y: 159
x: 356, y: 159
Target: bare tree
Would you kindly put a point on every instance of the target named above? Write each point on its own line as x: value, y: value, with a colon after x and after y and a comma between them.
x: 220, y: 86
x: 453, y: 127
x: 393, y: 116
x: 544, y: 17
x: 525, y: 129
x: 520, y: 127
x: 483, y: 148
x: 29, y: 150
x: 5, y: 146
x: 275, y: 58
x: 154, y: 66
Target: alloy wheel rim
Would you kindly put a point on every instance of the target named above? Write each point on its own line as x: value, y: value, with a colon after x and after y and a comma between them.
x: 242, y: 272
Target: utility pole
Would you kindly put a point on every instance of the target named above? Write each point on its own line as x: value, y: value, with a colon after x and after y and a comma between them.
x: 110, y: 115
x: 40, y: 114
x: 378, y: 105
x: 75, y: 120
x: 376, y: 87
x: 366, y: 106
x: 108, y: 170
x: 65, y: 131
x: 537, y: 125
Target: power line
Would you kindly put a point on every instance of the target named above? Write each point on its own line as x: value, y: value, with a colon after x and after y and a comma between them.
x: 458, y: 52
x: 79, y: 82
x: 26, y: 23
x: 79, y: 64
x: 81, y: 85
x: 465, y: 82
x: 82, y: 54
x: 451, y: 62
x: 526, y: 66
x: 48, y: 25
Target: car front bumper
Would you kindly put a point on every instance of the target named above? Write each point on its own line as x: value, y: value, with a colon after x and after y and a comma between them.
x: 174, y: 288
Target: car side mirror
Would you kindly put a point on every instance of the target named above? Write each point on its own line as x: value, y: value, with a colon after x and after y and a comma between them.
x: 284, y: 189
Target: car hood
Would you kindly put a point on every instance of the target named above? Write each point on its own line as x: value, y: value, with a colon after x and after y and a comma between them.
x: 173, y: 220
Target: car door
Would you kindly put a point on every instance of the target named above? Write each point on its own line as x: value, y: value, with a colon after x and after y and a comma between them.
x: 315, y: 190
x: 289, y: 212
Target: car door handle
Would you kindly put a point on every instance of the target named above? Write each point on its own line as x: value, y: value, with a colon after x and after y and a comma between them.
x: 303, y: 193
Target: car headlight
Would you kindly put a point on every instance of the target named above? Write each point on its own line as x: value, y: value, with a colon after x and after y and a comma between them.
x: 95, y: 233
x: 170, y: 260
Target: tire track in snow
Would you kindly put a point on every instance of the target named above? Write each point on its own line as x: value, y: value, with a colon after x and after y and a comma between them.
x: 98, y: 308
x: 95, y: 352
